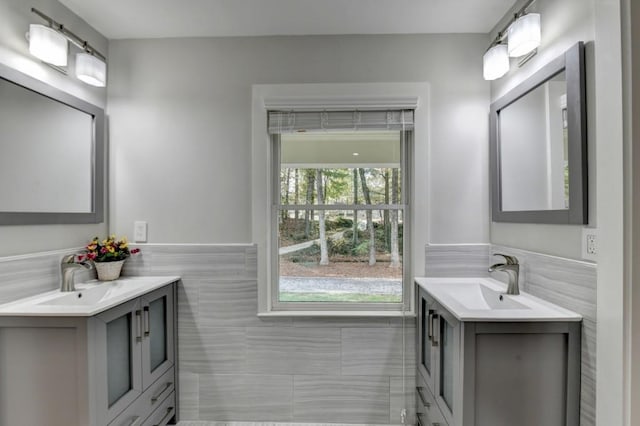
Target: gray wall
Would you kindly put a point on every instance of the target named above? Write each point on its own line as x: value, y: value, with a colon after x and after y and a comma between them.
x: 180, y: 125
x: 15, y: 17
x: 563, y: 24
x: 234, y: 366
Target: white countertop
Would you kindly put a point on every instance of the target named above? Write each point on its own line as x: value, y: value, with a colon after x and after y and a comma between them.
x: 89, y: 299
x: 484, y: 299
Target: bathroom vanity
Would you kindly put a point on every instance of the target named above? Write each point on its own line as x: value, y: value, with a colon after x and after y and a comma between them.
x: 490, y: 359
x: 104, y: 354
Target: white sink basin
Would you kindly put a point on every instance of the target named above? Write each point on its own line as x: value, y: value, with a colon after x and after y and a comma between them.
x: 94, y: 293
x: 89, y: 299
x: 485, y: 299
x: 476, y: 296
x: 89, y: 296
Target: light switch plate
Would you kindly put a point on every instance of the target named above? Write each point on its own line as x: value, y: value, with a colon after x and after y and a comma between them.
x: 140, y: 232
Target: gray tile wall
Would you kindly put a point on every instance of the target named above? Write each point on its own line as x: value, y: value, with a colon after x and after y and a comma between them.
x: 28, y: 275
x: 457, y: 260
x: 565, y: 282
x: 235, y: 366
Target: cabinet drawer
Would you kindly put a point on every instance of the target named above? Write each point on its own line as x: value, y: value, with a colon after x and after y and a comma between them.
x: 433, y: 418
x: 427, y: 410
x: 159, y: 390
x: 436, y: 417
x: 134, y: 415
x: 425, y: 399
x: 140, y: 409
x: 165, y: 412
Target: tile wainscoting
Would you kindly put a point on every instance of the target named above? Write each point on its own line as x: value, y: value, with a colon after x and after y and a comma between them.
x: 205, y: 423
x: 566, y: 282
x: 235, y: 366
x: 31, y: 274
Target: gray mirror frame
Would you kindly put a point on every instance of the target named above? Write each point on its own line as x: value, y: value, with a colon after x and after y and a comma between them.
x: 41, y: 218
x: 572, y: 61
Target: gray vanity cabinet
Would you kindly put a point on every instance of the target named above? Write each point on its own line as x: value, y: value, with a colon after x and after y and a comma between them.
x: 134, y: 358
x: 495, y: 373
x: 113, y: 368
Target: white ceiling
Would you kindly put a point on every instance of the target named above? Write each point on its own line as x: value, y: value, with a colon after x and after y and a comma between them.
x: 118, y: 19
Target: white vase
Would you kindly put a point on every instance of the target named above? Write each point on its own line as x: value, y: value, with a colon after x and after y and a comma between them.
x: 109, y: 271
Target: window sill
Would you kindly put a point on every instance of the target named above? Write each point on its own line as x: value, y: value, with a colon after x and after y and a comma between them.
x: 337, y: 314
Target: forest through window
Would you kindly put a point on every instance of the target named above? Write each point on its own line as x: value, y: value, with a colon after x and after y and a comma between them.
x: 341, y: 217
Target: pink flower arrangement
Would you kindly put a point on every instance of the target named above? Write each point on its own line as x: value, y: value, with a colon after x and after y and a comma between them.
x: 107, y: 250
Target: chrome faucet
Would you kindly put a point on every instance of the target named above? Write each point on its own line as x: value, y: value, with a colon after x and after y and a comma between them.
x: 512, y: 269
x: 68, y: 266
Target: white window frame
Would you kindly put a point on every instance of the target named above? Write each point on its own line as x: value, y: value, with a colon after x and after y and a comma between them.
x: 337, y: 96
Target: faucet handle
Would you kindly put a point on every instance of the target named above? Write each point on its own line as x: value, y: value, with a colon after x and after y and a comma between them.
x: 69, y: 258
x: 511, y: 260
x: 77, y: 258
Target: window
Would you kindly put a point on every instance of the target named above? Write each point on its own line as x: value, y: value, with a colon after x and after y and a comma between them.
x: 340, y: 211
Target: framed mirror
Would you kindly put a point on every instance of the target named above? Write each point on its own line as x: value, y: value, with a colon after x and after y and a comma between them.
x: 51, y: 154
x: 538, y: 141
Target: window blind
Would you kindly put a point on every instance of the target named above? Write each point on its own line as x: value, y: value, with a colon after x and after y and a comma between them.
x: 313, y: 121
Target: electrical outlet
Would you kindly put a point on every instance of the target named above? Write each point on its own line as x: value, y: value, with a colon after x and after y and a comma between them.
x: 590, y: 244
x: 592, y: 247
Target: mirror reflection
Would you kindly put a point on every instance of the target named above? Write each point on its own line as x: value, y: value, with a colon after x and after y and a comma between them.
x: 534, y: 149
x: 46, y: 153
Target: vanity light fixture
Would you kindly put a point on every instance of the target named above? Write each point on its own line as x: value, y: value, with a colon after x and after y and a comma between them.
x: 519, y: 38
x: 524, y: 35
x: 495, y: 62
x: 91, y: 69
x: 50, y: 44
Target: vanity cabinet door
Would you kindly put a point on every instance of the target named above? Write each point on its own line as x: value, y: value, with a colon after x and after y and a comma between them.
x: 119, y: 355
x: 448, y: 390
x: 158, y: 332
x: 426, y: 349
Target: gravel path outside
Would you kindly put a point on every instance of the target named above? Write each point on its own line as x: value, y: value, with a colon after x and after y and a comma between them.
x: 341, y: 285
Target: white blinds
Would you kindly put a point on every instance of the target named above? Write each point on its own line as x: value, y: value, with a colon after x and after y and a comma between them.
x: 310, y: 121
